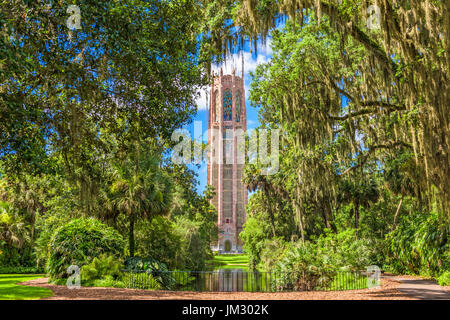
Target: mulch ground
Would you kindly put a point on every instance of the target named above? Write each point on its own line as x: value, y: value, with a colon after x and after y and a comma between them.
x: 387, y: 291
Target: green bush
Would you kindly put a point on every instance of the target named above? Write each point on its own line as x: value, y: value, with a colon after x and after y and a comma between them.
x: 46, y: 225
x: 100, y: 268
x: 78, y: 243
x: 138, y: 264
x: 20, y: 270
x: 142, y: 280
x: 107, y: 281
x: 300, y: 267
x: 419, y: 246
x: 315, y: 265
x: 342, y: 251
x: 162, y: 243
x: 272, y: 252
x: 194, y: 248
x: 444, y: 279
x: 158, y: 270
x: 254, y: 238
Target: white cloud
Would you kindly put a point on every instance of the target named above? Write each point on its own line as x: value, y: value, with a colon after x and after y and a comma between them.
x: 202, y: 101
x: 251, y: 123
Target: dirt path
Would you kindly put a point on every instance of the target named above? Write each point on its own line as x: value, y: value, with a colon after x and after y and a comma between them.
x: 387, y: 291
x: 421, y: 289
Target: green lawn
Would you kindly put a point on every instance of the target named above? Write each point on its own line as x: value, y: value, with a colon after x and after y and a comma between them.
x: 229, y: 261
x: 9, y: 290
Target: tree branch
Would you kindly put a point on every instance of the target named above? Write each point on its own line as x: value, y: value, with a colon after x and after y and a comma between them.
x: 382, y: 104
x: 372, y: 149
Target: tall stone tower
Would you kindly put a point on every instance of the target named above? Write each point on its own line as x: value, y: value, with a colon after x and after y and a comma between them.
x: 227, y: 126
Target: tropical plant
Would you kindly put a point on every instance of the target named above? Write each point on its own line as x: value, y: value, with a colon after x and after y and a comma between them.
x: 140, y: 190
x: 101, y: 267
x: 78, y: 243
x: 138, y: 264
x: 194, y: 250
x: 360, y: 192
x: 444, y: 278
x: 157, y: 239
x: 139, y: 270
x: 419, y: 246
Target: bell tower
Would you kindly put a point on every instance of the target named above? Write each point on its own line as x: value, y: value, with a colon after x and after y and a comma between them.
x: 227, y: 125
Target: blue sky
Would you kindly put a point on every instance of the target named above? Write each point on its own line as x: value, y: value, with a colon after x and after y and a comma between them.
x: 250, y: 62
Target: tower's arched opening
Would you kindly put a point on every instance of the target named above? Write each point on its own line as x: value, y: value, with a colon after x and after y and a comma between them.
x: 227, y: 245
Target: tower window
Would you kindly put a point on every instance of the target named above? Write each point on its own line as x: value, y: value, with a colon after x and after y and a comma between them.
x: 238, y: 107
x: 227, y: 105
x: 216, y: 109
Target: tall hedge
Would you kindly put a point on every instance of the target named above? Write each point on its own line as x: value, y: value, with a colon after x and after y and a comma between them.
x: 78, y: 242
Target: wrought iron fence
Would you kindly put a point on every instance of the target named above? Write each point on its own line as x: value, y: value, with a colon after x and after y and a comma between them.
x: 246, y: 281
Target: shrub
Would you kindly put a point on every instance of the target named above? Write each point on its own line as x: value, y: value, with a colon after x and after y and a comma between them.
x: 419, y: 246
x: 78, y: 242
x: 162, y: 243
x: 344, y: 252
x: 272, y: 252
x: 300, y: 267
x: 312, y: 265
x: 46, y: 225
x: 253, y: 237
x: 194, y: 248
x: 444, y: 279
x: 100, y: 268
x: 20, y: 270
x: 142, y: 280
x: 136, y: 265
x: 107, y: 281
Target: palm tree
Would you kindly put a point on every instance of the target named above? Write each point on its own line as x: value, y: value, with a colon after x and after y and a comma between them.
x: 140, y: 190
x: 399, y: 182
x: 254, y: 180
x: 359, y: 192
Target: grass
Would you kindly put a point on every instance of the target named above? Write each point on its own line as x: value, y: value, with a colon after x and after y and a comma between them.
x: 9, y: 290
x: 229, y: 261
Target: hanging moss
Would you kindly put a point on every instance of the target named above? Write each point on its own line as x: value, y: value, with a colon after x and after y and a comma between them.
x: 404, y: 75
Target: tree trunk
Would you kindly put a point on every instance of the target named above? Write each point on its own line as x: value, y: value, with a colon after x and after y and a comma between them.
x: 33, y: 228
x: 396, y: 212
x: 132, y: 217
x: 327, y: 215
x: 300, y: 222
x: 131, y: 235
x: 356, y: 205
x: 269, y: 207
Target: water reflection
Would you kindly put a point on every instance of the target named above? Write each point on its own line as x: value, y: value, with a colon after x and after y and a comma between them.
x: 231, y: 280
